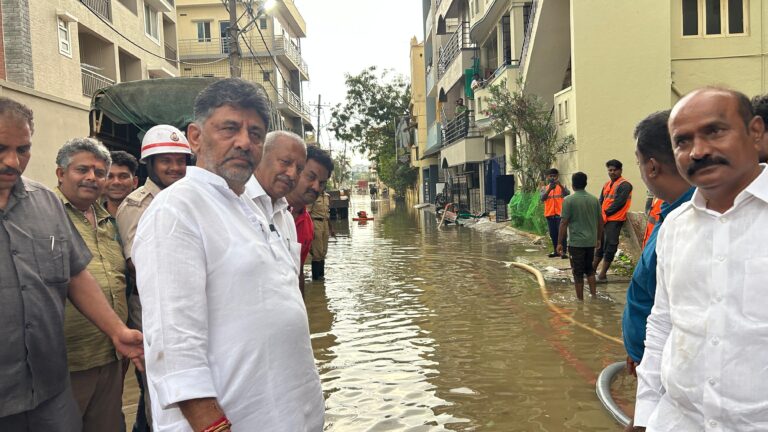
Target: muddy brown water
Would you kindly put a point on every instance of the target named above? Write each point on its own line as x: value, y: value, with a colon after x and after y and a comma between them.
x: 423, y: 329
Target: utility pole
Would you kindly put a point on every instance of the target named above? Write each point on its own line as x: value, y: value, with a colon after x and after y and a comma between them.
x: 234, y: 46
x: 317, y: 133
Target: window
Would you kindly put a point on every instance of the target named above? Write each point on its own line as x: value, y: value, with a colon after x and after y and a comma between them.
x: 224, y: 34
x: 204, y: 31
x: 265, y: 76
x: 565, y: 109
x: 717, y: 17
x: 65, y: 43
x: 263, y: 23
x: 150, y: 22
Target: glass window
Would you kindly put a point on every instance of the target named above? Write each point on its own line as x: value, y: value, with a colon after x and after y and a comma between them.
x: 735, y: 16
x: 224, y: 34
x: 690, y: 17
x: 204, y: 31
x: 265, y: 76
x: 263, y: 23
x: 150, y: 22
x: 65, y: 44
x: 713, y: 18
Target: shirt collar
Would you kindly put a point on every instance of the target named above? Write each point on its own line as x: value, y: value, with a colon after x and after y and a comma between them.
x: 152, y: 187
x: 667, y: 208
x: 758, y: 188
x: 21, y: 188
x: 203, y: 175
x: 256, y: 192
x: 99, y: 211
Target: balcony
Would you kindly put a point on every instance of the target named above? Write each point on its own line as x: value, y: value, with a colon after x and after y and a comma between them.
x: 100, y: 7
x: 458, y: 41
x: 291, y: 103
x: 508, y: 72
x: 171, y: 55
x: 463, y: 142
x: 211, y: 48
x: 92, y: 81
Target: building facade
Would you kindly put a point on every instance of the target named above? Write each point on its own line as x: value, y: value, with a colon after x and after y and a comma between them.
x: 56, y: 54
x: 270, y: 48
x: 600, y: 66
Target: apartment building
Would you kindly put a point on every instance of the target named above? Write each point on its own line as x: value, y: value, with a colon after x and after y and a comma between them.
x: 270, y: 48
x: 600, y: 66
x: 56, y: 54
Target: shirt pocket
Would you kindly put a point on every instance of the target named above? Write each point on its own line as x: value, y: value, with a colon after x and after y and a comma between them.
x: 52, y: 259
x: 755, y: 289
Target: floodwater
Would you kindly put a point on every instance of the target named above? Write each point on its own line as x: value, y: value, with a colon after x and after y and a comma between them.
x: 424, y: 329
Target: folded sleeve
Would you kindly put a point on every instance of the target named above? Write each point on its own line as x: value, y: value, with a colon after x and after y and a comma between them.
x: 171, y: 277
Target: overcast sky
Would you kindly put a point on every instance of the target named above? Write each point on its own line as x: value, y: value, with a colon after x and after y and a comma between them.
x: 347, y: 36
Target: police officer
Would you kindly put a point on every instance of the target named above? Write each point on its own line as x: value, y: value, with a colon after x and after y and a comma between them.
x: 166, y: 153
x: 320, y: 212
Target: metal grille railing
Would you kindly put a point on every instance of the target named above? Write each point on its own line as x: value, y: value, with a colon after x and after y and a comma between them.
x: 93, y: 81
x: 292, y: 99
x: 458, y: 41
x: 291, y: 52
x: 459, y: 128
x: 101, y: 7
x: 528, y: 33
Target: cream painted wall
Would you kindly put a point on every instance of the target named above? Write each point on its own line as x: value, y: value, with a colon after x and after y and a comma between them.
x: 617, y: 80
x: 56, y: 121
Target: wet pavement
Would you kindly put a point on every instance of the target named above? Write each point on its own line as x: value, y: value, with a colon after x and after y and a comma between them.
x: 424, y: 329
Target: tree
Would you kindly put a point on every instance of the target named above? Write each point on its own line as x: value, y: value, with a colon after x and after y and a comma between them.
x: 341, y: 168
x: 526, y: 116
x: 367, y: 119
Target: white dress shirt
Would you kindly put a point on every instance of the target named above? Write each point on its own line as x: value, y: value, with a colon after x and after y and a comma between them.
x: 223, y: 315
x: 706, y: 358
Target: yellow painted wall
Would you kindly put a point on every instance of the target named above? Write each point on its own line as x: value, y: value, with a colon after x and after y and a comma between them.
x: 617, y: 81
x: 56, y: 121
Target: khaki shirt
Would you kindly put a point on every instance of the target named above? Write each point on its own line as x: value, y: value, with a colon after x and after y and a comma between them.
x: 321, y: 208
x: 87, y: 346
x: 39, y: 251
x: 130, y: 211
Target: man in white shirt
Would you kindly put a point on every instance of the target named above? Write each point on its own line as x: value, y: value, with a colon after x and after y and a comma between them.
x: 227, y: 335
x: 284, y: 157
x: 706, y: 346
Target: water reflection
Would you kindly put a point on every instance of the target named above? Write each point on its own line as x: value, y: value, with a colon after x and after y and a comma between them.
x: 421, y: 329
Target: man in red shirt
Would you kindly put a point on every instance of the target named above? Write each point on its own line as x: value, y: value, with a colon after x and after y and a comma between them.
x: 310, y: 185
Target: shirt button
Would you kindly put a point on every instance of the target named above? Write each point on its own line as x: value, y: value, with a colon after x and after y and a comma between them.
x: 721, y: 258
x: 718, y: 299
x: 711, y: 381
x: 23, y: 287
x: 723, y: 220
x: 14, y: 252
x: 715, y: 341
x: 713, y: 423
x: 28, y: 326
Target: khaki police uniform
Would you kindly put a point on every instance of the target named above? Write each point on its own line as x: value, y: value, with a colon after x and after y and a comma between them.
x: 320, y: 213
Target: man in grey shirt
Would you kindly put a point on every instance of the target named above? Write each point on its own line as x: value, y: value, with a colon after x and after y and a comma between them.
x: 42, y: 263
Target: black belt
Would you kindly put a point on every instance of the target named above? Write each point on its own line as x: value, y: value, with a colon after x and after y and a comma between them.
x: 320, y: 219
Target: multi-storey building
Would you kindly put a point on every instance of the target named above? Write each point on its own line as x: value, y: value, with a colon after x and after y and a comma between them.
x: 270, y: 46
x: 600, y: 66
x: 56, y: 54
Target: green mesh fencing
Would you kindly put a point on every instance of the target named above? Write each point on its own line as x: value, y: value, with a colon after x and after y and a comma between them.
x: 526, y: 212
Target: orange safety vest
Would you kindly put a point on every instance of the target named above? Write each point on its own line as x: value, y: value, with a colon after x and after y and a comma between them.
x: 653, y: 218
x: 609, y: 195
x: 553, y: 203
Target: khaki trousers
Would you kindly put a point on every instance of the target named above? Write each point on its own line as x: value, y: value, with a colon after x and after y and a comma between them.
x: 99, y: 394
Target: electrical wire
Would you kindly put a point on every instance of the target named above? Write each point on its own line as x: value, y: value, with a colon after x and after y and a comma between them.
x: 110, y: 25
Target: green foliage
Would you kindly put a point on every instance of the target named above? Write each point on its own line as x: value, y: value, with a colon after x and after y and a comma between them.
x: 367, y: 119
x: 526, y: 116
x: 341, y: 168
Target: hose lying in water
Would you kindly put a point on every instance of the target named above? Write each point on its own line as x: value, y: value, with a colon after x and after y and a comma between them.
x: 603, y: 389
x: 603, y: 385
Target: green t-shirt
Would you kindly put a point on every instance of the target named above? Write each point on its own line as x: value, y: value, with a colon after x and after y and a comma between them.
x: 583, y: 212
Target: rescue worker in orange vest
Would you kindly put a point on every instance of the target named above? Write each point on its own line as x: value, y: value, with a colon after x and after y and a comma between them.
x: 653, y: 218
x: 552, y: 196
x: 615, y: 199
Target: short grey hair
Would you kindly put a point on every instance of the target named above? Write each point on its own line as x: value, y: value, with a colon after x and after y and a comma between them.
x: 269, y: 141
x: 235, y: 92
x: 79, y: 145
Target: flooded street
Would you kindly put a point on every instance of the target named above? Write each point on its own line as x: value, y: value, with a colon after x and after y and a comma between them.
x: 420, y: 329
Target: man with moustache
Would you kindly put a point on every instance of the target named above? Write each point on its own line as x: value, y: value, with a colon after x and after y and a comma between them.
x: 285, y: 155
x: 42, y: 262
x: 95, y: 369
x: 121, y: 180
x: 615, y: 199
x: 227, y: 338
x: 166, y: 153
x: 310, y: 185
x: 659, y: 173
x: 707, y: 335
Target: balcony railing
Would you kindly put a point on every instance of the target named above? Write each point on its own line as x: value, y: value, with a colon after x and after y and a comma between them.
x: 93, y: 81
x: 171, y: 55
x: 294, y: 101
x: 528, y: 34
x: 292, y: 52
x: 101, y: 7
x: 458, y: 41
x: 219, y: 47
x: 459, y: 128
